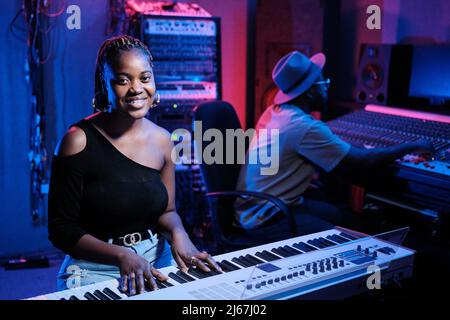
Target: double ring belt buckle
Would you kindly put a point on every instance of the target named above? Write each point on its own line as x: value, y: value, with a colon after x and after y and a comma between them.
x: 131, y: 239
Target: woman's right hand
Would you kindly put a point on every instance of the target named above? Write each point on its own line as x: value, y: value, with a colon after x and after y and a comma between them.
x: 135, y: 271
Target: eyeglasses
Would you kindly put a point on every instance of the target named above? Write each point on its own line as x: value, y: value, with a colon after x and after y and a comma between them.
x: 325, y: 83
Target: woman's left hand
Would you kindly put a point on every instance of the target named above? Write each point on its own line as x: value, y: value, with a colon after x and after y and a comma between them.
x: 187, y: 255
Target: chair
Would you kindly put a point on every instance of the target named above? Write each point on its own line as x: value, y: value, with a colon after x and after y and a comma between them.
x: 221, y: 180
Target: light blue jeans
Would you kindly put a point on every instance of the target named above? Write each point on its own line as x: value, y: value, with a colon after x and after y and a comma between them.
x: 76, y: 272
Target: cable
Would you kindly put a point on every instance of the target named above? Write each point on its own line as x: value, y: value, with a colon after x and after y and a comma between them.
x: 12, y: 26
x: 41, y: 51
x: 45, y: 39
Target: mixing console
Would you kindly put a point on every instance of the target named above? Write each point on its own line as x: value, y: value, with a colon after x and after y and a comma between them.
x: 374, y: 129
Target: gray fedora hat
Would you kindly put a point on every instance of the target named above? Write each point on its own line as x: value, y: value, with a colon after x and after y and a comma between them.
x: 295, y: 73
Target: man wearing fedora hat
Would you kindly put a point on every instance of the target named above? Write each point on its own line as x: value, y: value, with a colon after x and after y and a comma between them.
x: 304, y: 145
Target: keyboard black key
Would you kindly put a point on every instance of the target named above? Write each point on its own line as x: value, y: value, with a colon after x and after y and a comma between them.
x: 254, y: 259
x: 292, y: 250
x: 279, y: 251
x: 332, y: 241
x: 160, y: 284
x: 274, y: 256
x: 228, y: 265
x: 336, y: 238
x: 319, y: 243
x: 199, y: 273
x: 111, y: 294
x: 212, y: 271
x: 90, y: 296
x: 176, y: 278
x: 167, y: 283
x: 100, y: 295
x: 225, y: 268
x: 326, y: 242
x: 348, y: 236
x: 315, y: 243
x: 304, y: 247
x: 249, y: 261
x: 185, y: 276
x: 286, y: 251
x: 266, y: 255
x: 73, y: 298
x: 241, y: 262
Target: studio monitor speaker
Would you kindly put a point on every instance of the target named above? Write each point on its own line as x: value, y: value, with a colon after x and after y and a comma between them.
x: 383, y: 74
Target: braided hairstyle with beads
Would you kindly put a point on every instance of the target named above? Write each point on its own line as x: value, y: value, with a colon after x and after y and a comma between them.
x: 108, y: 51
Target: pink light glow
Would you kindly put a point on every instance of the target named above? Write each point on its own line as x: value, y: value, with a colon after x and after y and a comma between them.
x: 408, y: 113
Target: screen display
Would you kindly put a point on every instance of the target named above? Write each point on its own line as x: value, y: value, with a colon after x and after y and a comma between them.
x: 430, y: 74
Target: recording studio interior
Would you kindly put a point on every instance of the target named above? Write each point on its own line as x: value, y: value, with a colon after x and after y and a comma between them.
x: 352, y: 201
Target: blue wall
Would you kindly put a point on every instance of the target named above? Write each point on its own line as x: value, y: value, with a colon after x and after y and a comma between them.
x: 68, y: 92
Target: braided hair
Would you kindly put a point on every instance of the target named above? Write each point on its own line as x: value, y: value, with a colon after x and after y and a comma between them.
x: 108, y: 51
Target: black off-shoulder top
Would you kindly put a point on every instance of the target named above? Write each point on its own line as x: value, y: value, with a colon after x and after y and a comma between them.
x: 101, y: 192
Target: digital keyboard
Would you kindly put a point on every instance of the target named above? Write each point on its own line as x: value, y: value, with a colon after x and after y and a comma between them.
x: 318, y: 263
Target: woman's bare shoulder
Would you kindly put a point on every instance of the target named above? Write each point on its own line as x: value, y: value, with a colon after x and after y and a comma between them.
x: 158, y: 133
x: 73, y: 142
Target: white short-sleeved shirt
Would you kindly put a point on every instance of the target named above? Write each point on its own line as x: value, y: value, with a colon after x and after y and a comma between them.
x: 304, y: 144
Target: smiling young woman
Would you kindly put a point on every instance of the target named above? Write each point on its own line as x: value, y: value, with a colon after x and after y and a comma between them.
x: 112, y: 190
